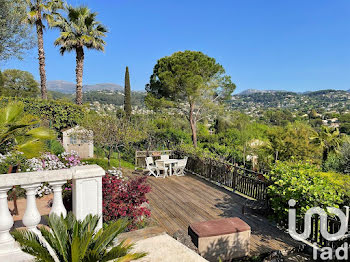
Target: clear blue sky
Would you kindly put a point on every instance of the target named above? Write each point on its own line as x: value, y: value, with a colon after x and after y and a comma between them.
x: 294, y: 45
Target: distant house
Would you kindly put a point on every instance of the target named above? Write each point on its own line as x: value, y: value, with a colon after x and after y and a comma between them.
x: 79, y: 140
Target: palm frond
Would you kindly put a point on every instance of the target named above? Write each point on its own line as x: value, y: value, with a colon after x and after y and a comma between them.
x: 109, y: 234
x: 30, y: 243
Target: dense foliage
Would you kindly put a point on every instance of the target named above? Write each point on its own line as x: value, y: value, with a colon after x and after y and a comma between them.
x: 125, y: 198
x: 60, y: 114
x: 305, y: 184
x: 19, y: 83
x: 15, y: 36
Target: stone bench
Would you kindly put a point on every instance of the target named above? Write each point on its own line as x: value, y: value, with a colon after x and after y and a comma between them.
x: 226, y: 238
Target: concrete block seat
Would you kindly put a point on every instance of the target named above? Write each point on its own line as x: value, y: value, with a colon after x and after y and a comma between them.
x: 225, y: 238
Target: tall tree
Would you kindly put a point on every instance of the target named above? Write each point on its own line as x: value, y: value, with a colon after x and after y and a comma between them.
x: 328, y: 139
x: 17, y: 83
x: 191, y: 82
x: 80, y: 29
x: 40, y: 10
x: 127, y: 94
x: 15, y: 36
x: 1, y: 81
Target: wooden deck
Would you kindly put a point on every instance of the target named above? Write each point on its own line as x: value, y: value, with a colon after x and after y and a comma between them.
x: 176, y: 202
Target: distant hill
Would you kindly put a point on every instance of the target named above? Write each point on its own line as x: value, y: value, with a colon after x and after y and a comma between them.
x: 255, y: 101
x: 69, y: 87
x: 255, y: 91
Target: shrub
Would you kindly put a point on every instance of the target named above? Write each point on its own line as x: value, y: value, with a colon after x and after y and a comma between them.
x: 98, y: 161
x: 12, y: 159
x: 303, y: 183
x: 104, y: 163
x: 55, y: 147
x: 60, y: 114
x: 125, y: 198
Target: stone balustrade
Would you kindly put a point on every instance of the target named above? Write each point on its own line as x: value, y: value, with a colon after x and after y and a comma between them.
x: 87, y: 199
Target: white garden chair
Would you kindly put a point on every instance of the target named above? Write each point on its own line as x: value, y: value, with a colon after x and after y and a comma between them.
x: 150, y: 167
x: 160, y: 166
x: 179, y: 169
x: 164, y: 157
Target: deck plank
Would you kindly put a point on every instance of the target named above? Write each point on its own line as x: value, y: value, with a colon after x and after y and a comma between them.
x: 176, y: 202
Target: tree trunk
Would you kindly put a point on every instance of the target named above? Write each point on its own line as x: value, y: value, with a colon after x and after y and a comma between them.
x: 41, y: 53
x: 193, y: 126
x: 79, y: 75
x: 109, y: 156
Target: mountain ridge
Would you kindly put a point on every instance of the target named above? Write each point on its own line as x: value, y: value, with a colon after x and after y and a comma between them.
x: 248, y: 92
x: 67, y: 87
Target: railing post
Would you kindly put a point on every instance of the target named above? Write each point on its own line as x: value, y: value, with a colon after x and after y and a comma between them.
x: 31, y: 217
x: 57, y: 205
x: 234, y: 175
x: 87, y: 191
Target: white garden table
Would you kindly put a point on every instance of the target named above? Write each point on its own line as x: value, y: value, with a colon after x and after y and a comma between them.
x: 170, y: 163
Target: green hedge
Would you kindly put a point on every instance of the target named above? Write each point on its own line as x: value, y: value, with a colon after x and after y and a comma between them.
x: 103, y: 162
x: 306, y: 184
x: 60, y: 114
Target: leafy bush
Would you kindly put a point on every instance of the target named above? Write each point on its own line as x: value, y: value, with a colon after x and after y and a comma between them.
x: 55, y: 147
x: 303, y: 183
x: 12, y: 159
x: 125, y: 198
x: 98, y: 161
x: 60, y: 114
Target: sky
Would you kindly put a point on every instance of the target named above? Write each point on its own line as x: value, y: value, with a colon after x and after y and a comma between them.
x: 294, y: 45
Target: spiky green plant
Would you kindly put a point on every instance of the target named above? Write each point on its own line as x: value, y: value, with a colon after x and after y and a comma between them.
x: 21, y: 132
x: 72, y: 240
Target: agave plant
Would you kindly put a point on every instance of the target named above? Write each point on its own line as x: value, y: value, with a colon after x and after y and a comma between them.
x: 73, y: 240
x: 21, y: 132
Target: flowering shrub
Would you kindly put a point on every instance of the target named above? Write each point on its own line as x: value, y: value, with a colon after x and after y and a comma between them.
x: 115, y: 172
x: 47, y: 161
x: 50, y: 161
x: 70, y: 159
x: 125, y: 198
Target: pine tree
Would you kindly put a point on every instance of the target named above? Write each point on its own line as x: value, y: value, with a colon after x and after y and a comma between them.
x: 127, y: 94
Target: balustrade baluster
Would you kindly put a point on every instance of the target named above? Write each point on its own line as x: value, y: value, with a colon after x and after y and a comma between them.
x: 31, y: 217
x: 7, y: 242
x: 57, y: 205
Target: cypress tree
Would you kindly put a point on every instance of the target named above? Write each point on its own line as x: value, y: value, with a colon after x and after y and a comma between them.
x: 127, y: 94
x: 1, y: 80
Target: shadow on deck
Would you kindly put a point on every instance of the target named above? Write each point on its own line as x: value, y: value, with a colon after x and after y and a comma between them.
x: 176, y: 202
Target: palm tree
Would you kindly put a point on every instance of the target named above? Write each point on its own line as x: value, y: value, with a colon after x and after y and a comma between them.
x: 328, y: 139
x: 21, y: 132
x: 40, y: 10
x: 80, y: 29
x: 73, y: 240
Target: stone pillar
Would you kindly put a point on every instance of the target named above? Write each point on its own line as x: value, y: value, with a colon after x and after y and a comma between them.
x: 87, y: 191
x: 31, y: 217
x: 57, y: 206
